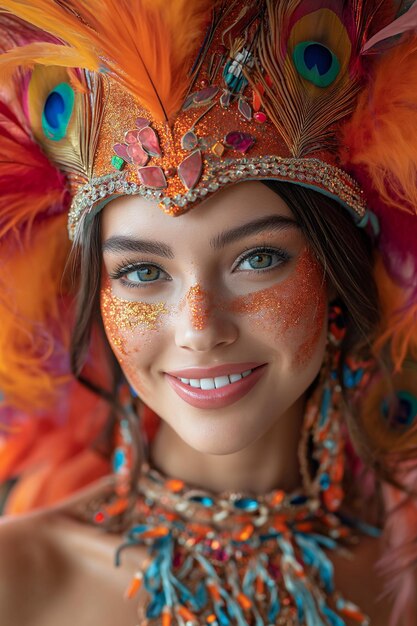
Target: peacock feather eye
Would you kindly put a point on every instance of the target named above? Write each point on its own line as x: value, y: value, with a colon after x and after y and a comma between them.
x: 405, y: 412
x: 57, y: 111
x: 316, y: 63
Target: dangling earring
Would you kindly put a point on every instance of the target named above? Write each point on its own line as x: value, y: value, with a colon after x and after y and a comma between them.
x: 322, y: 457
x: 127, y: 454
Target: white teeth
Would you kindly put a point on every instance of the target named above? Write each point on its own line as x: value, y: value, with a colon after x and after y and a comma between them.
x: 221, y: 381
x: 214, y: 383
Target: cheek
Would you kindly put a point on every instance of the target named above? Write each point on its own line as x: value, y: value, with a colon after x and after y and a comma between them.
x: 292, y: 313
x: 128, y: 324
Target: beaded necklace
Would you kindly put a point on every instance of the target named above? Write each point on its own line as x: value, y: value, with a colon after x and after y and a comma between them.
x: 233, y: 559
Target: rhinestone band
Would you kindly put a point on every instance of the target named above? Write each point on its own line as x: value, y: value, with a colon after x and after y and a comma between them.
x: 306, y: 172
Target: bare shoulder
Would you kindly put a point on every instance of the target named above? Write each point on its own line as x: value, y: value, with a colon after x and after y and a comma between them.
x: 28, y: 566
x: 357, y: 577
x: 65, y: 571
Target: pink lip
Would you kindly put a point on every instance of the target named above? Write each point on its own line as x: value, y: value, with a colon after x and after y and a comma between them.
x: 216, y: 370
x: 215, y: 398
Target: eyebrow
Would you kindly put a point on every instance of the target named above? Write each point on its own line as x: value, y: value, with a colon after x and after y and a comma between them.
x: 120, y: 243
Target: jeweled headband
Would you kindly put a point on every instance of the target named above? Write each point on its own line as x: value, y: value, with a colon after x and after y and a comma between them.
x: 182, y: 101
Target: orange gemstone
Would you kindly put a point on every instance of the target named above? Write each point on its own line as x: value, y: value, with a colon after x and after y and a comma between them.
x: 277, y: 497
x: 174, y: 485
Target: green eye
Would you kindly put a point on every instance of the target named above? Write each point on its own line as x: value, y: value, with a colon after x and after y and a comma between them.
x: 261, y: 261
x: 316, y: 63
x: 144, y: 274
x: 57, y: 111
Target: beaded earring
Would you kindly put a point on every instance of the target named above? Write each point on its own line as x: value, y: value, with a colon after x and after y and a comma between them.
x: 322, y: 456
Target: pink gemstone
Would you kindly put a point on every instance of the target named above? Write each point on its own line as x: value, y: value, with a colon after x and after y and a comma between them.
x: 225, y: 99
x: 245, y: 109
x: 121, y: 151
x: 189, y: 141
x: 153, y: 177
x: 242, y: 142
x: 150, y: 141
x: 141, y: 122
x: 132, y: 136
x: 205, y: 95
x: 190, y: 169
x: 260, y: 117
x: 188, y: 102
x: 137, y: 154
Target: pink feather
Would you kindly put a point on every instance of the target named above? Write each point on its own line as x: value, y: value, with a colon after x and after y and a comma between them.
x: 407, y: 22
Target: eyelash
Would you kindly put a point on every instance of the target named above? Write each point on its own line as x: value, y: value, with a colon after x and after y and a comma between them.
x: 126, y: 267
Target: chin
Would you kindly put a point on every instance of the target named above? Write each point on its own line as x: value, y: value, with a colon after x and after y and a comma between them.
x: 226, y: 434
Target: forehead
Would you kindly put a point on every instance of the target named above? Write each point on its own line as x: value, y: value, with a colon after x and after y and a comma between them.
x: 227, y: 209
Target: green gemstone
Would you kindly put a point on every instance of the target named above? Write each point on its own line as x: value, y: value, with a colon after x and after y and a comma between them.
x: 117, y: 162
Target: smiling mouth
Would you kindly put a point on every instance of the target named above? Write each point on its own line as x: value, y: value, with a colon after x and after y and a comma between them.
x: 216, y: 392
x: 215, y: 383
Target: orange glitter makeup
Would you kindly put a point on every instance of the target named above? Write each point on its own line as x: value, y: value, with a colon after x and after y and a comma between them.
x: 121, y: 315
x: 297, y: 304
x: 198, y: 301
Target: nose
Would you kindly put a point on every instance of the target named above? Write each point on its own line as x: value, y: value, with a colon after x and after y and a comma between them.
x: 202, y: 323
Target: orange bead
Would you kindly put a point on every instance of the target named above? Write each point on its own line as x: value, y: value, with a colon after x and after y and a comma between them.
x: 214, y: 592
x: 211, y: 619
x: 117, y: 507
x: 166, y: 616
x: 244, y: 601
x: 199, y: 529
x: 259, y: 586
x: 174, y: 485
x: 186, y: 614
x: 337, y: 469
x: 134, y: 586
x: 333, y: 497
x: 277, y: 497
x: 244, y: 534
x: 305, y: 527
x: 159, y: 531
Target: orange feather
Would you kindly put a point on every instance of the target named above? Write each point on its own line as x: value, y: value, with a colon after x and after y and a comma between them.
x: 146, y: 45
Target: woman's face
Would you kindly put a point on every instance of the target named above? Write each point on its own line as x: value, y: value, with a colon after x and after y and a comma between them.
x: 217, y: 317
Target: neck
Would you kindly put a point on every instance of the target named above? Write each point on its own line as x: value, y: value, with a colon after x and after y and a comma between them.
x: 270, y: 462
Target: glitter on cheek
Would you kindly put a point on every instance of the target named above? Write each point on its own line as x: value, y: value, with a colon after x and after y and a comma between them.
x: 199, y: 304
x: 123, y: 319
x: 292, y: 310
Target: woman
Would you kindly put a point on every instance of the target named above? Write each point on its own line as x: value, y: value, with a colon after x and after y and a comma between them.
x: 256, y: 328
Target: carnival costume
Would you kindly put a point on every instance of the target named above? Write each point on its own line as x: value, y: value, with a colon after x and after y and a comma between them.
x: 173, y: 101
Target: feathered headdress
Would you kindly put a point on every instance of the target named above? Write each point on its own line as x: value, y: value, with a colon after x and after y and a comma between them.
x: 174, y: 101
